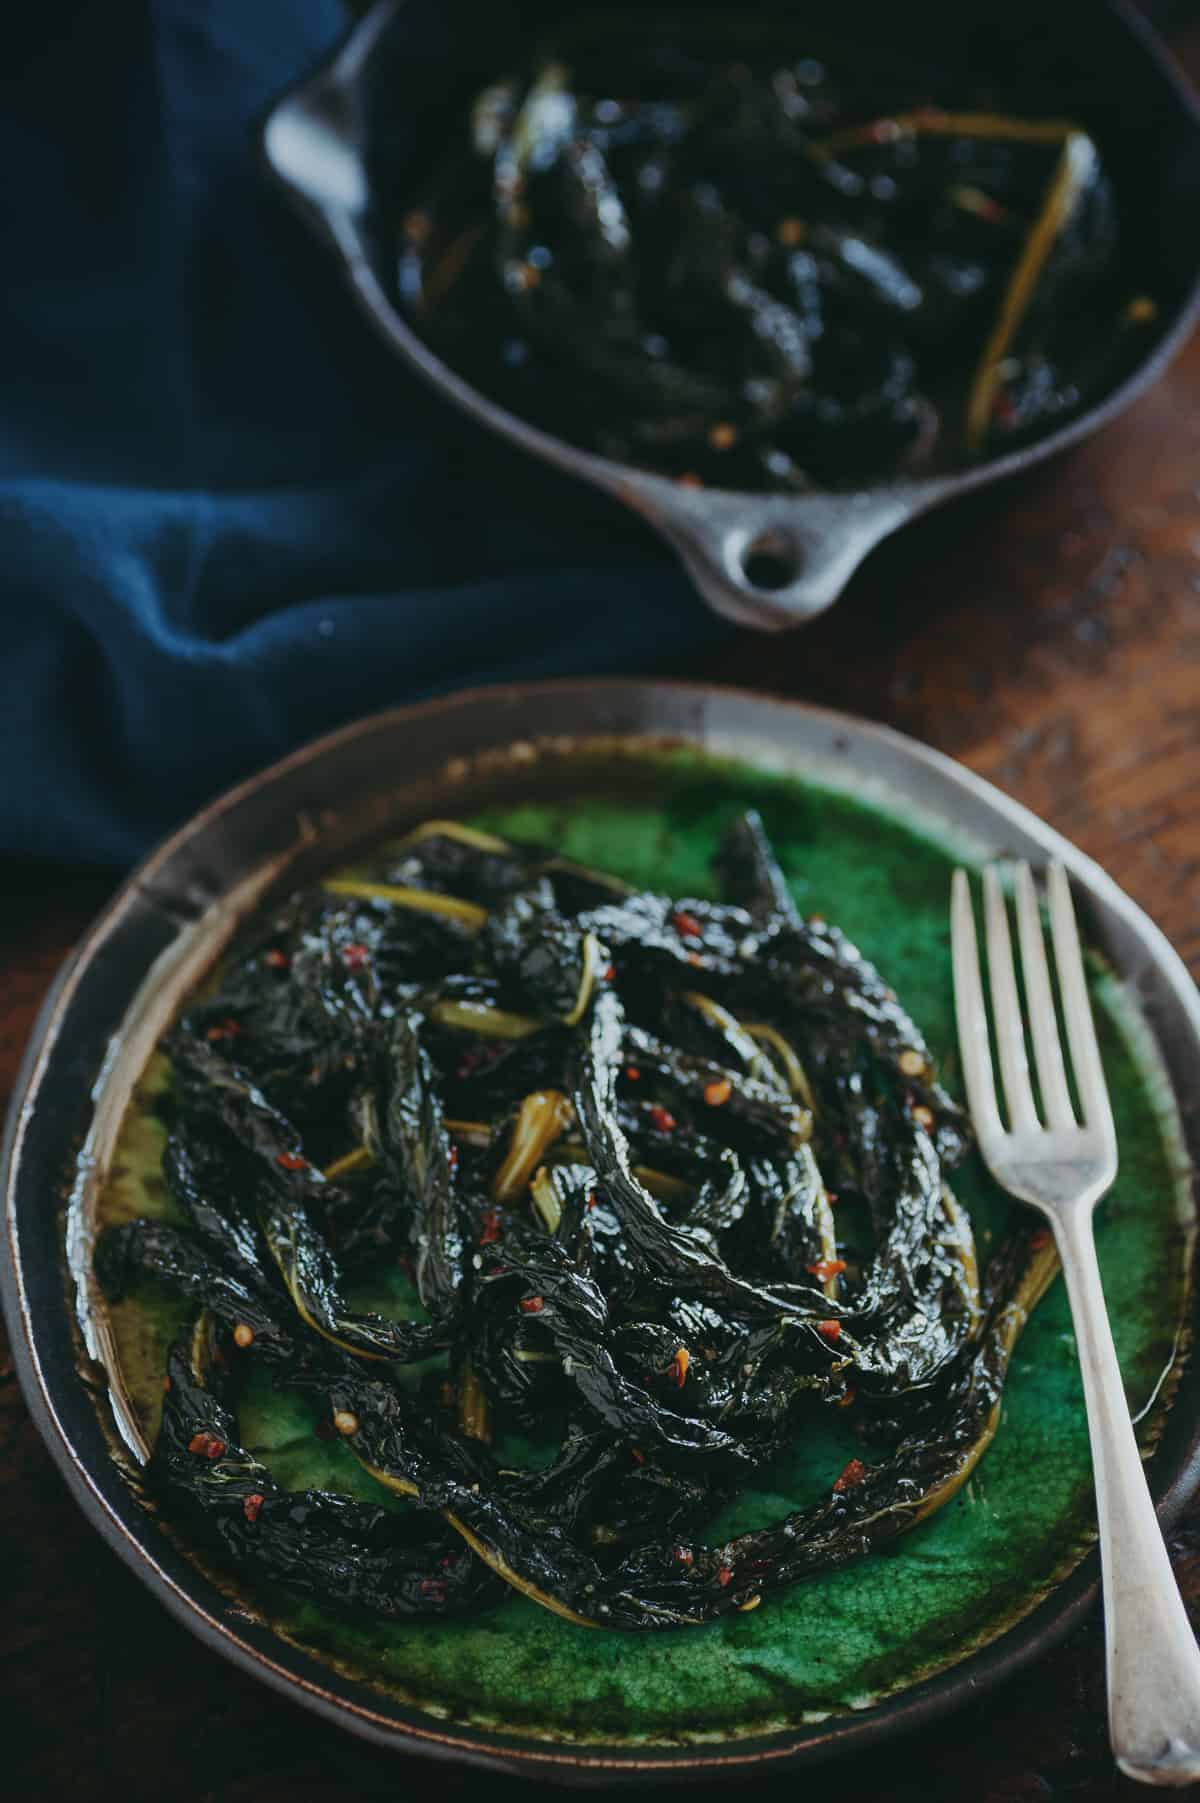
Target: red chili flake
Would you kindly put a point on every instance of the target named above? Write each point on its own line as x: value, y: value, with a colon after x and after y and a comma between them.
x: 452, y: 1156
x: 1040, y: 1239
x: 206, y: 1445
x: 252, y: 1504
x: 718, y: 1093
x: 829, y: 1330
x: 686, y: 925
x: 292, y: 1161
x: 592, y: 1200
x: 491, y: 1227
x: 532, y: 1305
x: 610, y: 972
x: 355, y: 956
x: 845, y: 1401
x: 224, y: 1029
x: 725, y: 1576
x: 639, y: 1458
x: 827, y: 1267
x: 685, y: 1556
x: 663, y: 1119
x: 689, y: 480
x: 695, y: 960
x: 166, y: 1384
x: 633, y: 1073
x: 449, y: 1562
x: 677, y: 1370
x: 851, y: 1474
x: 831, y: 1196
x: 277, y: 960
x: 434, y: 1589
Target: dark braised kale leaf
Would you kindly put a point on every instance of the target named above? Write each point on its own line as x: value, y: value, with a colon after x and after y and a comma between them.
x: 604, y: 1132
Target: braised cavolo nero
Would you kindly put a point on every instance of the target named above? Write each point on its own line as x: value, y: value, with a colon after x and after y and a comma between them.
x: 693, y: 250
x: 668, y: 1176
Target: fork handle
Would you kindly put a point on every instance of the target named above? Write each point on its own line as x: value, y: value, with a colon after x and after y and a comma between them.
x: 1153, y: 1660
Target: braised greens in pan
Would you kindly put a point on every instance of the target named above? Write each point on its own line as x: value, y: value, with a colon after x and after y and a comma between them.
x: 669, y: 1177
x: 753, y: 270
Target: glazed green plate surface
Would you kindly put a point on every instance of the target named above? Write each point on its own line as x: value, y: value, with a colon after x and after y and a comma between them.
x: 843, y: 1642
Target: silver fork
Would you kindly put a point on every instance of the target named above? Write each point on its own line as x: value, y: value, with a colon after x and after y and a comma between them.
x: 1063, y: 1166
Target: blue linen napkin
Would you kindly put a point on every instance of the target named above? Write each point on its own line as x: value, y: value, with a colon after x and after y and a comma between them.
x: 229, y: 519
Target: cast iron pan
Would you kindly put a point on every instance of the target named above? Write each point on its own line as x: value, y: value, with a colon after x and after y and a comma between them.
x: 355, y: 139
x: 172, y: 918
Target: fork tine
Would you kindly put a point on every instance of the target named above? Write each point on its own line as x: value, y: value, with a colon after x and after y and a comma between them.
x: 1043, y: 1026
x: 1006, y: 1006
x: 1077, y: 1010
x: 971, y: 1014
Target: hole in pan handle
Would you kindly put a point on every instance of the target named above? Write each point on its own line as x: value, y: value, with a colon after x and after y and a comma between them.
x: 774, y: 563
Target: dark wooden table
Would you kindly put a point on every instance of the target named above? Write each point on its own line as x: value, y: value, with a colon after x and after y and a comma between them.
x: 1047, y: 634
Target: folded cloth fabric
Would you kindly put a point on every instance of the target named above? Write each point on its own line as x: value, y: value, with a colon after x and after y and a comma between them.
x: 229, y: 519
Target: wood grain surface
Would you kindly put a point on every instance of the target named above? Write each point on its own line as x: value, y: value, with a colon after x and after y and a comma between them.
x: 1047, y: 634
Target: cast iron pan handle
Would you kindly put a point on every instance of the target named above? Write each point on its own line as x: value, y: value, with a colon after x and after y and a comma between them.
x: 771, y: 561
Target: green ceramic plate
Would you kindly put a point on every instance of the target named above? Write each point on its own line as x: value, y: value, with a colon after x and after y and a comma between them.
x: 863, y: 1644
x: 843, y: 1642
